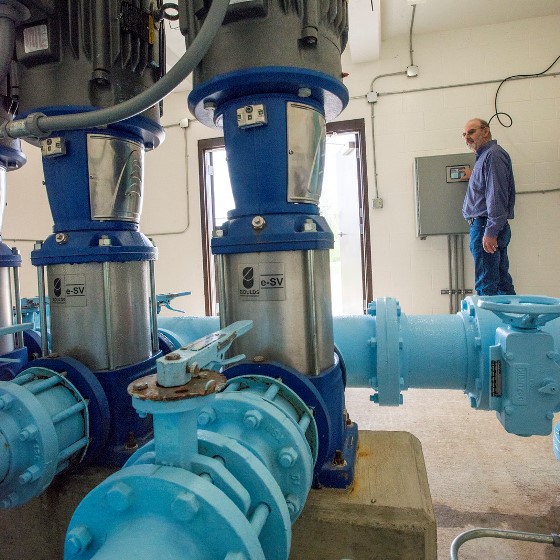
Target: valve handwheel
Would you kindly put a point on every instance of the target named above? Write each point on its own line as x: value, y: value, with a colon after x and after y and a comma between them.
x: 523, y: 312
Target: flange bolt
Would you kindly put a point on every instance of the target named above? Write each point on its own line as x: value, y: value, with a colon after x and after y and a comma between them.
x: 185, y: 506
x: 287, y: 457
x: 77, y: 541
x: 252, y: 419
x: 206, y: 416
x: 119, y: 496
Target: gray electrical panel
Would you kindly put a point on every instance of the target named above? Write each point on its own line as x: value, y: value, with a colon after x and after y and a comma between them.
x: 440, y: 192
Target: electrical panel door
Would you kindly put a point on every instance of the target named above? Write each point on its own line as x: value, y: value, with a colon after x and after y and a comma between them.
x: 440, y: 192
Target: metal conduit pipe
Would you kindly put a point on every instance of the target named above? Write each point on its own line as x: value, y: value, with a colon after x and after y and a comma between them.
x: 8, y: 34
x: 41, y: 125
x: 553, y: 539
x: 457, y: 297
x: 462, y: 265
x: 450, y: 274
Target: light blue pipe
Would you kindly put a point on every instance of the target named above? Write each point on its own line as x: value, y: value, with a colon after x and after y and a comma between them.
x: 181, y: 330
x: 436, y: 351
x: 391, y: 351
x: 499, y: 350
x: 435, y: 346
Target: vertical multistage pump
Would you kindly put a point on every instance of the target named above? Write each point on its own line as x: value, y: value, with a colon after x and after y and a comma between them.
x: 271, y: 79
x: 97, y: 268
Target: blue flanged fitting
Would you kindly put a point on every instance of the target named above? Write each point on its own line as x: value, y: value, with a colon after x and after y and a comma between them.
x: 44, y: 426
x: 205, y: 98
x: 324, y: 394
x: 227, y: 491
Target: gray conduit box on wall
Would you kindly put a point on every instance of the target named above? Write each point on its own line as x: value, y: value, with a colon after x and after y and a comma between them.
x: 440, y: 193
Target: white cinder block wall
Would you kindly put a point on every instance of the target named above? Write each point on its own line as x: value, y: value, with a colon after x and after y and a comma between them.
x: 407, y: 124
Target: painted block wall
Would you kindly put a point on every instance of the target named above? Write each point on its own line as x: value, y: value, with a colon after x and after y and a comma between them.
x: 408, y: 124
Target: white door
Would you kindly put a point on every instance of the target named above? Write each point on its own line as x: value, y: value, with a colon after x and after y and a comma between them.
x: 340, y: 204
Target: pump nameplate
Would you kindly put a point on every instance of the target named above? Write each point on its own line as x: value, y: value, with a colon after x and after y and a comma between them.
x: 262, y: 282
x: 69, y: 290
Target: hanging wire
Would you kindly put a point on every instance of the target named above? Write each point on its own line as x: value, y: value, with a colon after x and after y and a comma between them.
x: 498, y: 113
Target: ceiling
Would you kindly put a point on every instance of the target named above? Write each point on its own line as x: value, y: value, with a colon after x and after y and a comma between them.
x: 441, y: 15
x: 379, y: 20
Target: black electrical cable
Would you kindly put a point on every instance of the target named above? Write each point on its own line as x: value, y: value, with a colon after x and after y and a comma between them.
x: 498, y: 113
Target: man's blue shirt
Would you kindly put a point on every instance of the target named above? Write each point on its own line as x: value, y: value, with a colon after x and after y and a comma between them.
x: 491, y: 190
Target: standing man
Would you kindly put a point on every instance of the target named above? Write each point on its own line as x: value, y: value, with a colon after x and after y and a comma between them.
x: 488, y: 206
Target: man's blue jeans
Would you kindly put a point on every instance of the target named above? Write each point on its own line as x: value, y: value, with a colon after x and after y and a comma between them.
x: 491, y: 272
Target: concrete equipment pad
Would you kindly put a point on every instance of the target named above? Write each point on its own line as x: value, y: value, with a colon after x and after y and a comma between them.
x: 388, y: 514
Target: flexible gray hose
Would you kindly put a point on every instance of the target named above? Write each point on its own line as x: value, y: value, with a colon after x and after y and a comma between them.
x: 8, y: 34
x: 135, y: 105
x: 500, y: 534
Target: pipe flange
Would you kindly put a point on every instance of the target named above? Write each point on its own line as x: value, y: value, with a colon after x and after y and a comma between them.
x: 88, y: 386
x: 388, y: 345
x: 246, y: 467
x: 254, y: 412
x: 170, y: 506
x: 257, y: 382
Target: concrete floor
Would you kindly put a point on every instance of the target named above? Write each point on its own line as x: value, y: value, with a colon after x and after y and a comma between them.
x: 479, y: 475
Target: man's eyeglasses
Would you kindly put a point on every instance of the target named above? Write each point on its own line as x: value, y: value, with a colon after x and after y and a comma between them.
x: 472, y: 131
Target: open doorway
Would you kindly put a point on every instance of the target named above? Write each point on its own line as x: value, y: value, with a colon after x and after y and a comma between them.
x: 343, y: 204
